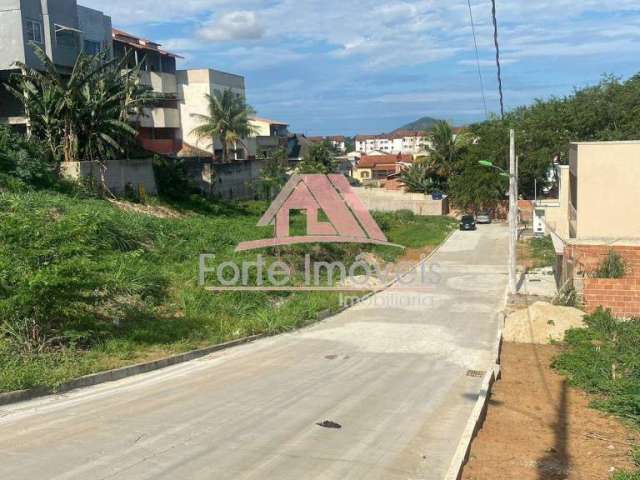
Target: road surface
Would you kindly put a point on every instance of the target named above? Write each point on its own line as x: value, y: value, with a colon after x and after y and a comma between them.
x: 392, y: 372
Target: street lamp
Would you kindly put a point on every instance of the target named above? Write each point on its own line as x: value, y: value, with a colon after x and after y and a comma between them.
x: 487, y: 163
x: 513, y: 208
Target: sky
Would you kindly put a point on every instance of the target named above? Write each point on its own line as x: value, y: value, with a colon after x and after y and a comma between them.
x: 330, y: 67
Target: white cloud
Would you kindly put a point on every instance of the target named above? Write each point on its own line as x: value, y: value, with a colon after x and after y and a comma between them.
x: 237, y: 25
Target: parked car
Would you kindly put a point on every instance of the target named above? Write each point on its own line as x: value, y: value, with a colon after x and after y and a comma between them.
x: 468, y: 222
x: 483, y: 217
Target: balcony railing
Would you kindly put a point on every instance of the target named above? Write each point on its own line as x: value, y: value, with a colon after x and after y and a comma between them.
x: 160, y: 82
x: 161, y: 146
x: 160, y: 118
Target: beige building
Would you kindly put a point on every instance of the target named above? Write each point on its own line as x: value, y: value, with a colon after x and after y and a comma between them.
x: 267, y: 135
x: 604, y: 190
x: 193, y: 86
x: 599, y: 194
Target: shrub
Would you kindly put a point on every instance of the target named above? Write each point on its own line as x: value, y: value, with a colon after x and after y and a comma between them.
x: 25, y: 159
x: 612, y: 267
x: 173, y: 179
x: 604, y: 359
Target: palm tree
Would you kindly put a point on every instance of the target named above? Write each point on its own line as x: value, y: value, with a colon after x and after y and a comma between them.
x: 83, y: 115
x: 445, y: 149
x: 227, y: 122
x: 420, y: 178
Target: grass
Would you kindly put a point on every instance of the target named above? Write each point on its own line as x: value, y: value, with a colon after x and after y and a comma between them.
x: 85, y: 286
x: 604, y: 360
x: 541, y: 252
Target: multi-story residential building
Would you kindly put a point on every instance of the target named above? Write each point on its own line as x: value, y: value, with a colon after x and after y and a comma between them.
x: 404, y: 142
x: 159, y: 126
x: 267, y: 136
x: 380, y: 167
x: 193, y: 88
x: 338, y: 142
x: 61, y: 27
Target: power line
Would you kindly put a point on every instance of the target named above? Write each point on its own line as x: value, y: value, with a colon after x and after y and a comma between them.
x: 475, y: 42
x: 495, y: 40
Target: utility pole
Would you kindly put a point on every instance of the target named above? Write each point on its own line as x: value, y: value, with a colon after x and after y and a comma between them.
x: 513, y: 214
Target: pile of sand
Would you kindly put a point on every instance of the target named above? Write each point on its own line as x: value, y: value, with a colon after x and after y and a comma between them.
x: 542, y: 323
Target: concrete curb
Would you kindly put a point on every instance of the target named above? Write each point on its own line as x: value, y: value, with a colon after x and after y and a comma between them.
x: 478, y: 414
x: 120, y: 373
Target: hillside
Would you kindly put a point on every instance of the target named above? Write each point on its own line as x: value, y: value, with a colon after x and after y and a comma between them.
x: 424, y: 123
x: 88, y: 285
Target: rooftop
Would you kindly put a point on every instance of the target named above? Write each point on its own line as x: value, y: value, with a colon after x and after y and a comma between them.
x: 139, y: 43
x: 373, y: 161
x: 266, y: 120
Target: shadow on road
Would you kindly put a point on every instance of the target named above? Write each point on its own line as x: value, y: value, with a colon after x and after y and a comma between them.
x: 556, y: 463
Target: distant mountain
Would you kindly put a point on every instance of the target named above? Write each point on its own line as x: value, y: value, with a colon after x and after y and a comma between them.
x: 422, y: 124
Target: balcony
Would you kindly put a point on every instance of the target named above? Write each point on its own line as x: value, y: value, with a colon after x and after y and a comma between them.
x: 161, y: 146
x: 160, y: 82
x: 160, y: 118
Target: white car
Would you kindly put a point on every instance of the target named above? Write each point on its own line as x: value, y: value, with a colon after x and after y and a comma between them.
x: 483, y: 217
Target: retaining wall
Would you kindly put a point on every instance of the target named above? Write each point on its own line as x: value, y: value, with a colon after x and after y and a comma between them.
x: 377, y: 199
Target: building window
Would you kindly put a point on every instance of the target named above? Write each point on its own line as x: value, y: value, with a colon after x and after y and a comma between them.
x: 34, y: 31
x: 91, y: 47
x: 67, y: 38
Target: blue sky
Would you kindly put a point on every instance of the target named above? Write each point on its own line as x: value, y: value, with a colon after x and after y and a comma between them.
x: 369, y: 66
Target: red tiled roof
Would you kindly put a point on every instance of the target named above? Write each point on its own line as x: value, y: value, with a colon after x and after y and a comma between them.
x: 140, y: 43
x: 373, y: 161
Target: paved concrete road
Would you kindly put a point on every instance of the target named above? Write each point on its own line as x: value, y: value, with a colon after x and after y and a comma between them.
x: 392, y: 374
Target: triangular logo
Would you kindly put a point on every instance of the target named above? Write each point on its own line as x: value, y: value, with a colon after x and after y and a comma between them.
x: 349, y: 220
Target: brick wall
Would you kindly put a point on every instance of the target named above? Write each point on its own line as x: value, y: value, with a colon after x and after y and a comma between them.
x: 587, y: 258
x: 622, y: 295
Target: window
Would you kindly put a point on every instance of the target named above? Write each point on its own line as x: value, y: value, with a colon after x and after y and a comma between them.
x: 67, y: 38
x: 91, y: 47
x: 34, y: 31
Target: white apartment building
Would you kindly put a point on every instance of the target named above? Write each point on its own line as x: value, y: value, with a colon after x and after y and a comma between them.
x: 193, y: 86
x: 393, y: 143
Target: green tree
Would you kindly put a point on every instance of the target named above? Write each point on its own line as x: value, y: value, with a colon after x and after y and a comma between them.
x: 227, y: 121
x: 477, y: 187
x: 83, y: 115
x: 318, y: 159
x: 419, y: 177
x: 445, y: 149
x: 544, y: 130
x: 274, y: 174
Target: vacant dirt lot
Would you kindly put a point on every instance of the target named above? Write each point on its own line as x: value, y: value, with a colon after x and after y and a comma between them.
x: 538, y: 428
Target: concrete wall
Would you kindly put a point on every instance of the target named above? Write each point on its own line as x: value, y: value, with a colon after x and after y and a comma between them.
x: 11, y: 34
x: 193, y: 86
x: 231, y: 181
x: 95, y: 26
x: 14, y: 44
x: 117, y: 175
x: 390, y: 201
x: 608, y: 176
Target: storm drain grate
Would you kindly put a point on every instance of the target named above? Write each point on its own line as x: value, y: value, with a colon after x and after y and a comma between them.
x: 476, y: 373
